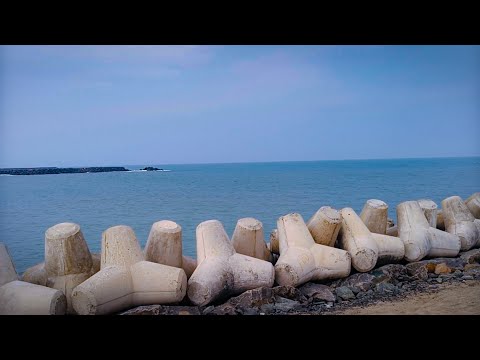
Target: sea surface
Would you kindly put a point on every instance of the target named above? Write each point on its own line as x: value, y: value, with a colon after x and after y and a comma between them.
x: 190, y: 194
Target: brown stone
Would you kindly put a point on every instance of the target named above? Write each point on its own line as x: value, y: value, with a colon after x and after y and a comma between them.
x: 442, y: 269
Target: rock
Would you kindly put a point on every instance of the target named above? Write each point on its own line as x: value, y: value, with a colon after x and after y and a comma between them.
x: 251, y: 311
x: 418, y: 270
x: 284, y: 304
x: 354, y: 289
x: 208, y: 310
x: 267, y: 309
x: 144, y: 310
x: 253, y: 298
x: 150, y: 168
x: 163, y: 310
x: 389, y: 272
x: 439, y: 280
x: 344, y: 293
x: 471, y: 256
x: 458, y: 273
x: 469, y: 267
x: 385, y: 287
x: 317, y: 291
x: 467, y: 277
x: 390, y: 223
x: 442, y: 268
x: 363, y: 281
x: 289, y: 292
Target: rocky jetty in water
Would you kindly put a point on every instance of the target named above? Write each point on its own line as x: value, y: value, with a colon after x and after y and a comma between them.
x: 56, y: 170
x: 150, y: 168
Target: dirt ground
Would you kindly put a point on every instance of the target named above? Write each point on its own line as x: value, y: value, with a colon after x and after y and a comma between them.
x: 451, y: 299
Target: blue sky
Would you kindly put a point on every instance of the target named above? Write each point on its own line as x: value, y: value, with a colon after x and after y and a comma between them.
x: 116, y: 105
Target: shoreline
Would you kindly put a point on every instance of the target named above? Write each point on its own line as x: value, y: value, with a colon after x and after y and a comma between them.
x: 404, y: 289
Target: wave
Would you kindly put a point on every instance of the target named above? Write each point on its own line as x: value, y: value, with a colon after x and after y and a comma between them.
x: 6, y: 175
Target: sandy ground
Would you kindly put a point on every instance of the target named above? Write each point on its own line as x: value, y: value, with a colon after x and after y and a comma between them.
x: 453, y: 299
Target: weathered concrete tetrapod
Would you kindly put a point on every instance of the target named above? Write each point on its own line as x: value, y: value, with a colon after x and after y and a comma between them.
x: 390, y: 248
x: 164, y: 246
x: 22, y: 298
x: 440, y: 220
x: 473, y: 204
x: 358, y: 241
x: 274, y: 246
x: 419, y: 238
x: 126, y: 279
x: 68, y: 261
x: 221, y: 271
x: 248, y: 239
x: 301, y: 259
x: 374, y: 215
x: 460, y: 221
x: 392, y: 231
x: 324, y: 225
x: 429, y: 209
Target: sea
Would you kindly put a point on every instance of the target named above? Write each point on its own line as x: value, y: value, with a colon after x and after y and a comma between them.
x: 190, y: 194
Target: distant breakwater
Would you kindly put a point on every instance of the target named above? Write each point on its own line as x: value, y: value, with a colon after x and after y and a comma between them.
x: 55, y: 170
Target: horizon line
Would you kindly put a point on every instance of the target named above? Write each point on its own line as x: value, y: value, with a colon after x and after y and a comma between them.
x: 252, y: 162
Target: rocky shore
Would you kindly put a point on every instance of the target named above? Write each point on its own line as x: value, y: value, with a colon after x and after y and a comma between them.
x: 55, y: 170
x: 386, y: 283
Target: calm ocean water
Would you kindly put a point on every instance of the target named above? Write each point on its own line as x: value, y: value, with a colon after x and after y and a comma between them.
x: 190, y: 194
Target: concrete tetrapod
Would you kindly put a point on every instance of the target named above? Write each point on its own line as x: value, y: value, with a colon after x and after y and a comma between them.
x: 22, y: 298
x: 248, y: 239
x: 68, y: 261
x: 429, y: 209
x: 221, y: 271
x: 460, y: 221
x: 390, y: 249
x: 126, y: 279
x: 473, y: 204
x: 273, y: 245
x: 358, y: 241
x: 374, y: 215
x: 164, y: 246
x: 301, y: 259
x: 419, y: 238
x: 324, y: 225
x: 440, y: 220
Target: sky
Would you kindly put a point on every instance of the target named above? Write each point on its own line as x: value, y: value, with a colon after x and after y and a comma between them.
x: 119, y: 105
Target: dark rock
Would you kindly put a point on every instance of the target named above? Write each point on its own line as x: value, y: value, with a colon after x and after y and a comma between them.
x: 419, y: 270
x: 267, y: 309
x: 253, y: 298
x: 354, y: 289
x: 458, y: 273
x: 385, y: 287
x: 471, y: 256
x: 208, y: 310
x: 225, y: 309
x: 344, y: 293
x: 439, y: 280
x: 469, y: 267
x: 163, y: 310
x: 284, y: 305
x: 467, y: 277
x: 289, y: 292
x: 363, y: 281
x: 250, y: 311
x: 389, y: 272
x: 317, y: 292
x: 144, y: 310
